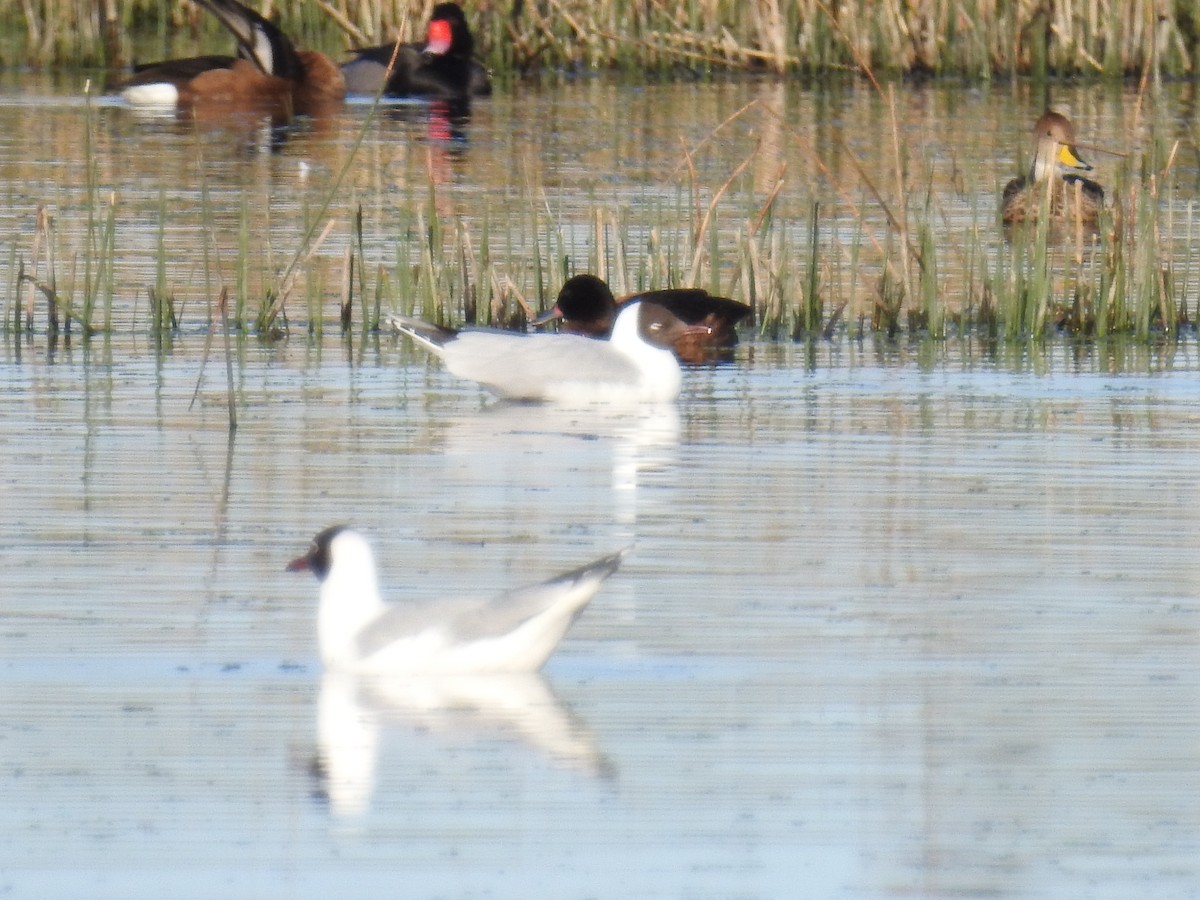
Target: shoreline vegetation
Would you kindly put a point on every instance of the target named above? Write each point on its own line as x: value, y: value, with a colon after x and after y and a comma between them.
x: 975, y: 39
x: 814, y: 275
x: 806, y: 277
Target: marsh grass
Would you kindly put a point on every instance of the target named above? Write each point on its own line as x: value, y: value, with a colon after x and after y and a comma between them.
x: 99, y: 252
x: 898, y: 256
x: 940, y: 37
x: 814, y: 277
x: 163, y: 319
x: 804, y: 277
x: 45, y: 286
x: 90, y: 276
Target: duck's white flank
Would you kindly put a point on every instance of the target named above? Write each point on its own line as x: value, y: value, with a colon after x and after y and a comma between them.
x: 161, y: 93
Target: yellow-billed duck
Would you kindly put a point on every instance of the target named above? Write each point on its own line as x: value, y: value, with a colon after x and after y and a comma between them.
x: 1055, y: 168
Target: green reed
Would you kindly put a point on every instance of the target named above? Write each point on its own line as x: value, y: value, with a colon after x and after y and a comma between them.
x: 209, y: 249
x: 100, y: 236
x: 242, y: 264
x: 354, y: 279
x: 163, y: 317
x: 810, y: 313
x: 351, y: 264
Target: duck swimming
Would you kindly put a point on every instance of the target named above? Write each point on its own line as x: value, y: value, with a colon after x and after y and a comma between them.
x: 442, y: 67
x: 1056, y: 167
x: 586, y: 306
x: 268, y: 74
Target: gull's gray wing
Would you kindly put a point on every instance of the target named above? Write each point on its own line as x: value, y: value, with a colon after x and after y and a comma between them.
x: 401, y: 620
x: 521, y: 367
x: 462, y: 620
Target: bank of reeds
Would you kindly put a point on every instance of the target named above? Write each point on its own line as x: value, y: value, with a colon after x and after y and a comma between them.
x: 975, y: 38
x: 901, y: 255
x: 821, y: 275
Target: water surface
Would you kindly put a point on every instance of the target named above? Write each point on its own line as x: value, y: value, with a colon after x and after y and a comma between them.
x: 900, y: 620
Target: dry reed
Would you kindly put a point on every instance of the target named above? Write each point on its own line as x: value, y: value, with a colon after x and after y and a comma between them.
x: 975, y: 38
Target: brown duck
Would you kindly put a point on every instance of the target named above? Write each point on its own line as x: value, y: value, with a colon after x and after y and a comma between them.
x: 268, y: 75
x: 586, y: 306
x: 1055, y: 168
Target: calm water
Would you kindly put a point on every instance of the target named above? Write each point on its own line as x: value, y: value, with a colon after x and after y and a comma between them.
x: 915, y: 621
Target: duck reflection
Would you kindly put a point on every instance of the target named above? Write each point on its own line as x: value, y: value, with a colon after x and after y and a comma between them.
x: 354, y: 710
x: 442, y: 125
x: 231, y: 133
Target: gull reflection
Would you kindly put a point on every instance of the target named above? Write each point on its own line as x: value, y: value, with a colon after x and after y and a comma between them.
x: 353, y: 710
x: 645, y: 443
x: 520, y: 443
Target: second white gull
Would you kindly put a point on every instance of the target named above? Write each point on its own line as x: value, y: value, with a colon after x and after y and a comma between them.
x: 514, y: 632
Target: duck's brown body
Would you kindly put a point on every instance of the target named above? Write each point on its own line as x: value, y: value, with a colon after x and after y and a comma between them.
x: 244, y: 87
x: 268, y: 75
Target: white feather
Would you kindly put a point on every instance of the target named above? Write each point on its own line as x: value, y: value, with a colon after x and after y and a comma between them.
x: 514, y: 632
x: 158, y: 94
x: 560, y: 368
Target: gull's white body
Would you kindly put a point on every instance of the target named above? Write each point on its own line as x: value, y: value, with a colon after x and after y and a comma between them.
x: 560, y: 368
x: 515, y: 632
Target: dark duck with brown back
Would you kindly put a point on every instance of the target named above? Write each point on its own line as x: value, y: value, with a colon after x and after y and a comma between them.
x: 586, y: 306
x: 268, y: 74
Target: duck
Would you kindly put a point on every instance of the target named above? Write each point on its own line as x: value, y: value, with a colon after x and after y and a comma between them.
x: 1055, y: 160
x: 586, y: 306
x: 442, y: 67
x: 514, y: 632
x: 634, y: 365
x: 268, y: 74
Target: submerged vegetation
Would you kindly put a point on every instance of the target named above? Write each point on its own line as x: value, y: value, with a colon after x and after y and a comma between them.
x: 975, y: 39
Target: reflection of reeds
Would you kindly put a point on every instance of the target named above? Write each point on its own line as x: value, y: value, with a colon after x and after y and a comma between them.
x: 100, y: 240
x: 937, y: 36
x: 163, y: 320
x: 832, y: 266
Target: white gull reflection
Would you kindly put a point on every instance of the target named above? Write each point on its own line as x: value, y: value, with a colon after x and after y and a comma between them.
x: 353, y: 710
x: 517, y: 444
x: 644, y: 443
